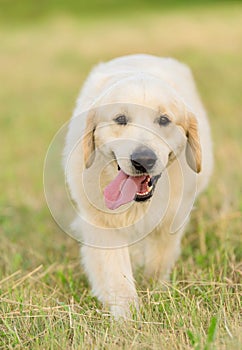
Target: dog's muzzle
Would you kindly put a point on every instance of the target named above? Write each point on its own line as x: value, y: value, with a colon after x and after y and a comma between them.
x: 143, y: 160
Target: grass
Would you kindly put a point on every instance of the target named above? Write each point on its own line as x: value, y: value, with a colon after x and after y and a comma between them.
x: 45, y: 299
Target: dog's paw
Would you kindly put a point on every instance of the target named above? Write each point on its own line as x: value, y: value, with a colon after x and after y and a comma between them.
x: 124, y: 312
x: 124, y: 309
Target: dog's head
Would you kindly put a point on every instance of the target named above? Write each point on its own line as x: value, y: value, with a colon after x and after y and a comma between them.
x: 143, y: 135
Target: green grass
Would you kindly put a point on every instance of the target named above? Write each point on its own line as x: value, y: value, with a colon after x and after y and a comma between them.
x: 45, y: 299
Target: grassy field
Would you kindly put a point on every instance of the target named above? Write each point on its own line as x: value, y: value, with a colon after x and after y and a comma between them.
x: 45, y: 299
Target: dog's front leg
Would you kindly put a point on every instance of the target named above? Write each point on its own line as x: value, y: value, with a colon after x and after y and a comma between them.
x: 110, y: 274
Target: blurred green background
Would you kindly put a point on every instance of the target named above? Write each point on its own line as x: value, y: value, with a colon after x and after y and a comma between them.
x: 47, y: 49
x: 30, y: 10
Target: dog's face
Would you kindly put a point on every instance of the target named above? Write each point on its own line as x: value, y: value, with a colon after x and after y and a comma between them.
x: 140, y: 137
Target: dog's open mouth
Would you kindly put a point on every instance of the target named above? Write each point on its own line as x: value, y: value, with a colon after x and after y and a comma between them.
x: 147, y: 188
x: 125, y: 188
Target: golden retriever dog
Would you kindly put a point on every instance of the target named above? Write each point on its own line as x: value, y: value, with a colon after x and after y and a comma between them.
x: 137, y: 154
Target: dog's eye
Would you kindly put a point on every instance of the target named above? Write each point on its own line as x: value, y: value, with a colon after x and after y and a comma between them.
x: 163, y: 120
x: 121, y: 120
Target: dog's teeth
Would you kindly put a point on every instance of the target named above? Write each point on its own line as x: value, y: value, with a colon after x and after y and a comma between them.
x: 145, y: 193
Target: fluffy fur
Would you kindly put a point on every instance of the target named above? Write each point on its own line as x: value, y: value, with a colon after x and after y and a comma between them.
x: 148, y: 233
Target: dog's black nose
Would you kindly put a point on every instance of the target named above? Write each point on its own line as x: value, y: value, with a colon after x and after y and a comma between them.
x: 143, y: 159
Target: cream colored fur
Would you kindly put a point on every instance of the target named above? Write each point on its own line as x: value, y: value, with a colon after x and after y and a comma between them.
x: 144, y: 234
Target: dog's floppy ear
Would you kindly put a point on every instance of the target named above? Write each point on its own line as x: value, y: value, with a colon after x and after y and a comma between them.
x: 193, y: 147
x: 88, y: 141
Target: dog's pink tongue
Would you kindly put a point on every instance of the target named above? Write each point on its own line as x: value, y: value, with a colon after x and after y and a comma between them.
x: 122, y: 190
